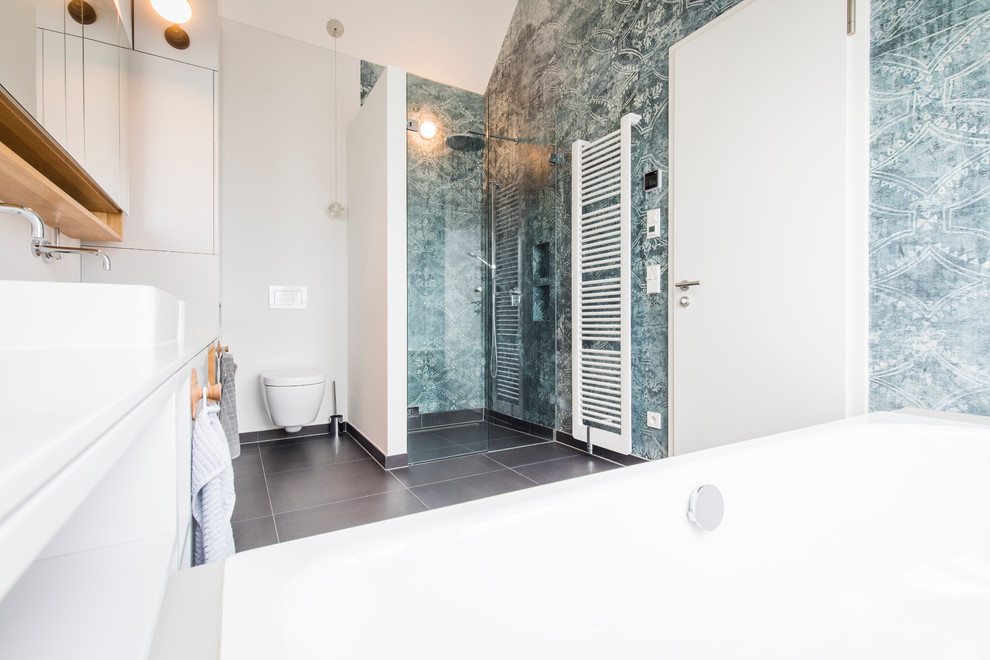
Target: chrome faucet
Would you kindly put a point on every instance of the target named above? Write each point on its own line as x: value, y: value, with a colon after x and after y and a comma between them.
x: 50, y: 252
x: 40, y: 246
x: 37, y: 226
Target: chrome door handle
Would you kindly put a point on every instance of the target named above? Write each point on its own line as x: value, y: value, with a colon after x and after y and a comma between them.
x: 684, y: 285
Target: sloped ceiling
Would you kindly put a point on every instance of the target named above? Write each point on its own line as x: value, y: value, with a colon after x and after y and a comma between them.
x: 451, y: 41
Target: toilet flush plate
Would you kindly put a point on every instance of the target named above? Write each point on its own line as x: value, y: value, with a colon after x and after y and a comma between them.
x: 286, y: 297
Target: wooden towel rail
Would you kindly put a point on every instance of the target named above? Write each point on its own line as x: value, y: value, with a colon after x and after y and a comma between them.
x: 196, y: 392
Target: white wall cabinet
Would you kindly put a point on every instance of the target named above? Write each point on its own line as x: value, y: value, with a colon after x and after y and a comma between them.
x: 17, y: 34
x: 171, y: 157
x: 82, y: 107
x: 102, y: 110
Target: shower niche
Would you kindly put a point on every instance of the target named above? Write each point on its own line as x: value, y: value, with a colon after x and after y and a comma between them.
x: 542, y: 302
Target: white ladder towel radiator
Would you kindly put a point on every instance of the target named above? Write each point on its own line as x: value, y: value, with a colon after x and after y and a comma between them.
x: 601, y: 205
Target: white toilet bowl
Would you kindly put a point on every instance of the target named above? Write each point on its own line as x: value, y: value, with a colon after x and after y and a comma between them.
x: 293, y: 396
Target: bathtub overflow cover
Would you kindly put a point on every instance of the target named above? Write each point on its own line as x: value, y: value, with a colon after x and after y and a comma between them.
x: 706, y: 507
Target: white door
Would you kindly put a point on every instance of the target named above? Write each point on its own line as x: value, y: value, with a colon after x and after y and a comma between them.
x: 758, y: 217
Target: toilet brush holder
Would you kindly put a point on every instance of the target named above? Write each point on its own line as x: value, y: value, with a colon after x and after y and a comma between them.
x: 335, y: 425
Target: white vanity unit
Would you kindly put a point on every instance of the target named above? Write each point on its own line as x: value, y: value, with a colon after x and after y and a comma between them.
x: 95, y: 435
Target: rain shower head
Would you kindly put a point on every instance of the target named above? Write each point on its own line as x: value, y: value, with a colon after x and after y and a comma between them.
x: 466, y: 142
x: 474, y: 141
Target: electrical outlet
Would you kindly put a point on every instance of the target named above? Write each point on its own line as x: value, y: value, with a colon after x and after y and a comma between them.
x: 653, y: 420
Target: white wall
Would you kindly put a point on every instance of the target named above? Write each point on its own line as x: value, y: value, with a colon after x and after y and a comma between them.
x: 450, y: 40
x: 376, y: 275
x: 17, y: 261
x: 170, y: 234
x: 277, y: 156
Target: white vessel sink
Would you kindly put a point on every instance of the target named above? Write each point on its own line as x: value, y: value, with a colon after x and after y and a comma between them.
x: 73, y: 315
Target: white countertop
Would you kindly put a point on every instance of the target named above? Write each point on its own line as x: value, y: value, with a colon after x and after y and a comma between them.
x: 55, y: 402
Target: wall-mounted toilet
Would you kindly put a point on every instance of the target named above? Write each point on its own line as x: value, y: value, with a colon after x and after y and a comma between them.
x: 293, y: 396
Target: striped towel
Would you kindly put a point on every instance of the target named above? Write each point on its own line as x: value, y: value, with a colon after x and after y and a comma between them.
x: 228, y: 403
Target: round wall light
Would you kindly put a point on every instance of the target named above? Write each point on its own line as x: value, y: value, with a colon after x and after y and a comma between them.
x: 173, y: 11
x: 428, y: 129
x: 82, y: 12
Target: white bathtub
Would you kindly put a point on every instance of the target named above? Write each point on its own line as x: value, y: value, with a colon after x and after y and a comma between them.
x: 868, y: 538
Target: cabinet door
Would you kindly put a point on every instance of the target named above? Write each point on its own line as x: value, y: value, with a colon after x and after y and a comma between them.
x: 51, y: 103
x: 18, y: 36
x: 171, y: 156
x: 101, y: 71
x: 62, y: 92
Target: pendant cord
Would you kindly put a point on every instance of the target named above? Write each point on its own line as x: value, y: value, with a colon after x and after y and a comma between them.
x: 336, y: 29
x: 335, y: 136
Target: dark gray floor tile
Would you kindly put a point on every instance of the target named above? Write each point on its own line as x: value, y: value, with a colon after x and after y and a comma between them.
x: 299, y: 455
x: 514, y: 441
x: 292, y: 440
x: 466, y: 433
x: 540, y: 431
x: 466, y: 489
x: 250, y: 497
x: 453, y: 468
x: 254, y: 533
x: 310, y: 430
x: 350, y: 513
x: 301, y: 489
x: 425, y: 441
x: 547, y: 451
x: 450, y: 450
x: 453, y: 417
x: 565, y: 468
x: 248, y: 464
x: 496, y: 431
x: 249, y: 437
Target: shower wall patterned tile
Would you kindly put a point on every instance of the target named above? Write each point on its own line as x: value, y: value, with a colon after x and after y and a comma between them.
x: 446, y: 358
x: 585, y: 64
x: 370, y: 72
x: 930, y: 205
x: 525, y: 224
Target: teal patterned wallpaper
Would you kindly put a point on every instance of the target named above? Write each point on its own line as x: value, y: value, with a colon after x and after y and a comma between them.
x: 446, y: 329
x: 588, y: 62
x: 930, y: 205
x: 369, y: 76
x: 580, y: 66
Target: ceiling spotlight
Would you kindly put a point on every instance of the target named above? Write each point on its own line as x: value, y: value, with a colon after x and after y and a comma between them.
x: 173, y: 11
x: 428, y: 129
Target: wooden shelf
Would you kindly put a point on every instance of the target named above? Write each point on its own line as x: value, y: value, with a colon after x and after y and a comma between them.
x: 35, y: 171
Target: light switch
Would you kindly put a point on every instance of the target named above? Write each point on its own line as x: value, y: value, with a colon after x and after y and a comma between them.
x: 653, y: 274
x: 286, y: 297
x: 653, y: 223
